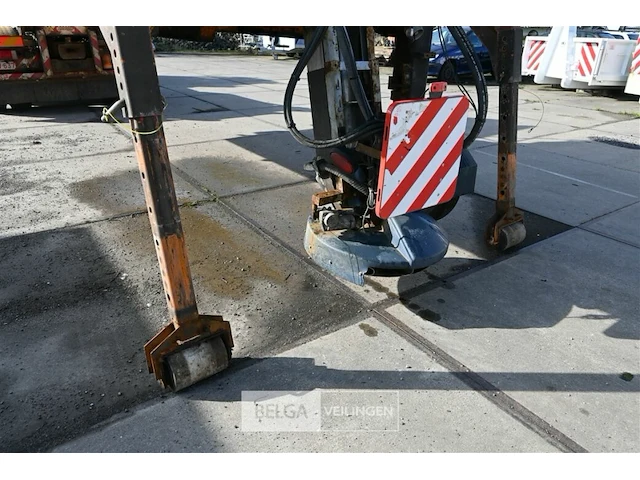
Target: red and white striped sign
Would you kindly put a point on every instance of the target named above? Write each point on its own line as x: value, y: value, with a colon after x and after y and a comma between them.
x: 44, y: 53
x: 421, y: 153
x: 95, y: 48
x: 635, y: 60
x: 535, y: 54
x: 21, y: 76
x: 587, y: 58
x: 23, y: 64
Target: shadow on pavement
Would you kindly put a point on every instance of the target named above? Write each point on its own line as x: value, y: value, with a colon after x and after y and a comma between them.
x: 303, y: 374
x: 70, y: 339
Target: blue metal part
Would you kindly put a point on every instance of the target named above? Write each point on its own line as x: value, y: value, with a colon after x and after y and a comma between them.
x: 406, y: 244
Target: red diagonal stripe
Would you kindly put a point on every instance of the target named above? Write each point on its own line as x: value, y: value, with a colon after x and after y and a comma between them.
x: 636, y: 54
x: 585, y: 57
x: 533, y: 60
x: 538, y: 45
x: 534, y: 48
x: 417, y: 129
x: 591, y: 51
x: 635, y: 67
x: 433, y: 183
x: 448, y: 195
x: 580, y: 69
x: 416, y: 170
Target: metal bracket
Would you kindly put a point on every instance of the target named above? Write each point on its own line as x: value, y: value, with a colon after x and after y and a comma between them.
x: 436, y: 89
x: 172, y: 339
x: 409, y: 79
x: 139, y: 88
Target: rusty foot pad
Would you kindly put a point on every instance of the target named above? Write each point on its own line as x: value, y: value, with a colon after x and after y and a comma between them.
x: 199, y: 348
x: 409, y: 243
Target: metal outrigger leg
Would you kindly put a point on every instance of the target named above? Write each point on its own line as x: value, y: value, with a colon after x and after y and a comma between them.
x: 191, y: 347
x: 506, y: 229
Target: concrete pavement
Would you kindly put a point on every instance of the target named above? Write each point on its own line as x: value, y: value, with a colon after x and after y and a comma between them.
x: 536, y: 350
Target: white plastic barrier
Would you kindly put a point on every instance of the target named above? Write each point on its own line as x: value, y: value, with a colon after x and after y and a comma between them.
x: 581, y: 61
x: 534, y: 48
x: 553, y: 63
x: 633, y: 81
x: 575, y: 62
x: 610, y: 65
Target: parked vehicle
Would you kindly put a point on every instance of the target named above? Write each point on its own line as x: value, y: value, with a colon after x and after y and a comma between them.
x: 593, y: 33
x: 40, y: 65
x: 535, y: 31
x: 297, y: 50
x: 448, y: 61
x: 623, y: 35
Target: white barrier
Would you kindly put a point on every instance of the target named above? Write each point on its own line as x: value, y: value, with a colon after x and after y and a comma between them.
x: 633, y: 81
x: 534, y: 47
x: 583, y: 62
x: 612, y: 61
x: 553, y: 64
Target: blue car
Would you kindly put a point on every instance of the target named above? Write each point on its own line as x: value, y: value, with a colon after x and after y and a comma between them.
x: 449, y: 61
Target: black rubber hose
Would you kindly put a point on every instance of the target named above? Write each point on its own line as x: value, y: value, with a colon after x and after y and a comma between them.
x: 363, y: 131
x: 347, y: 178
x: 344, y: 43
x: 472, y: 59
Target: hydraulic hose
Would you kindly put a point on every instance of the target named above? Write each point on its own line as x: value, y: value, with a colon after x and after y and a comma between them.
x: 472, y: 59
x: 344, y: 43
x: 347, y: 178
x: 371, y: 127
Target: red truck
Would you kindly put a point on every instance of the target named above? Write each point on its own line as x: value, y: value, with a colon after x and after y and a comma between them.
x: 41, y: 65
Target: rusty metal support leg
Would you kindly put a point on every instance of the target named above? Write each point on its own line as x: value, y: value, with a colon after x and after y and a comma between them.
x: 192, y: 346
x: 506, y: 228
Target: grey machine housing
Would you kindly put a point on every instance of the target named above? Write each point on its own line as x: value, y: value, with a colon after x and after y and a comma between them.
x: 407, y: 243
